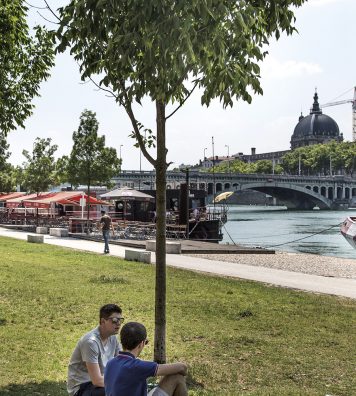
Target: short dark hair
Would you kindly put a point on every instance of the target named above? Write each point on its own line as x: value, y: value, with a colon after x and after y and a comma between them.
x: 132, y: 334
x: 107, y: 310
x: 103, y: 212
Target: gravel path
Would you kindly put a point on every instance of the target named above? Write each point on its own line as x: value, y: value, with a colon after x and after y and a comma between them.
x: 297, y: 262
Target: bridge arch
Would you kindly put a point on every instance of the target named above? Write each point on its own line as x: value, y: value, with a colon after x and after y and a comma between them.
x: 293, y: 196
x: 210, y: 188
x: 347, y: 193
x: 339, y: 192
x: 330, y: 192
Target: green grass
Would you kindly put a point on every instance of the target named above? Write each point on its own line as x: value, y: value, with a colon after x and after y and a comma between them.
x: 238, y: 337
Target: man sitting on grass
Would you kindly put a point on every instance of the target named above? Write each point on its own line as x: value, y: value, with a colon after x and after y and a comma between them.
x: 126, y: 375
x: 93, y: 351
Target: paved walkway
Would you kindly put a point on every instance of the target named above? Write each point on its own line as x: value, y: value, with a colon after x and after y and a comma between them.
x: 313, y: 283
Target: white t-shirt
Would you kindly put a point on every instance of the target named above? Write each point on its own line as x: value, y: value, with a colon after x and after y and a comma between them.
x: 89, y: 349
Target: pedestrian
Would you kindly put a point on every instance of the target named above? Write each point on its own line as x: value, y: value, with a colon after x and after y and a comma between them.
x: 105, y: 225
x: 92, y: 352
x: 127, y: 375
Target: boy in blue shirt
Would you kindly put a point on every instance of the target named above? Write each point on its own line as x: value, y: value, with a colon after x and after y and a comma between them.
x: 126, y: 375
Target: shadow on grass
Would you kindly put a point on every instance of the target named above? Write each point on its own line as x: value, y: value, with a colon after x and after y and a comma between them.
x: 45, y: 388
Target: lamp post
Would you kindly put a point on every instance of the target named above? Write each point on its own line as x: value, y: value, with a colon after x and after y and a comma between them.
x: 331, y: 170
x: 212, y: 144
x: 299, y: 168
x: 120, y: 157
x: 228, y: 158
x: 139, y: 180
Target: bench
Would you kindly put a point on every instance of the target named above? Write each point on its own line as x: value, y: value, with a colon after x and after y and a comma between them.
x: 41, y: 230
x: 171, y: 247
x: 35, y: 238
x: 138, y: 255
x: 58, y: 232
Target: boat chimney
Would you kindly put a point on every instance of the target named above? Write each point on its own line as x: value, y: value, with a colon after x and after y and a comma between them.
x: 253, y: 150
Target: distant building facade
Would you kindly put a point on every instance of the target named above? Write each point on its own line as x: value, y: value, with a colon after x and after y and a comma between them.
x: 315, y: 128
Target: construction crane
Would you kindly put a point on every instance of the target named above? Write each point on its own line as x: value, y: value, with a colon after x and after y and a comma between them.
x: 353, y: 101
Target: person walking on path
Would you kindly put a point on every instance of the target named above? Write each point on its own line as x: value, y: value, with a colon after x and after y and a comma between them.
x: 92, y: 352
x: 127, y: 375
x: 106, y: 225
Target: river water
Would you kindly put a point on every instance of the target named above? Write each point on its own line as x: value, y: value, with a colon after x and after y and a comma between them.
x: 267, y: 226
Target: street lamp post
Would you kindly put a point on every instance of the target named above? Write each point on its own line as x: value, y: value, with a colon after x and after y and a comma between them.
x: 228, y: 158
x: 212, y: 144
x: 139, y: 181
x: 120, y: 157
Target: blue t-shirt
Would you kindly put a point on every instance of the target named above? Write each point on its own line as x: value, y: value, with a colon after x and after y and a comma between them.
x: 127, y: 376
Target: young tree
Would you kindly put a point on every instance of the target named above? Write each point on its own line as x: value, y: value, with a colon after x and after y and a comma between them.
x: 7, y: 178
x: 163, y: 50
x: 39, y: 169
x: 24, y: 62
x: 90, y: 162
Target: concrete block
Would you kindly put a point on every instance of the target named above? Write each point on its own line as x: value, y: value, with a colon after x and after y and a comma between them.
x: 28, y: 228
x: 41, y: 230
x: 171, y: 247
x: 138, y: 255
x: 58, y: 232
x: 35, y: 238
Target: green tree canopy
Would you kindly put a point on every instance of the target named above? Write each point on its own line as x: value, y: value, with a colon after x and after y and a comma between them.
x: 39, y: 168
x: 24, y: 62
x: 321, y: 159
x: 162, y: 50
x: 90, y: 162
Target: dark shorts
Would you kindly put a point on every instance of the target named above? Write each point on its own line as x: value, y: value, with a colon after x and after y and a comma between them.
x: 88, y: 389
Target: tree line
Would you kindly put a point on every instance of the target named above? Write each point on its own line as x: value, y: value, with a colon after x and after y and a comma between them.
x: 89, y: 163
x: 316, y: 160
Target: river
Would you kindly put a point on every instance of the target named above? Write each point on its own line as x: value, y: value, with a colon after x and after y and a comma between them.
x: 267, y: 226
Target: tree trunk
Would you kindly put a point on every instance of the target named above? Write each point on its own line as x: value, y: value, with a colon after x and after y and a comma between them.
x: 160, y: 289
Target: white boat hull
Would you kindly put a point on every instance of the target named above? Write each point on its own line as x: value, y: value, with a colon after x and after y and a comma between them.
x: 348, y: 230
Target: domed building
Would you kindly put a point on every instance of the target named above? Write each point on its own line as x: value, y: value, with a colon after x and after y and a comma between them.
x: 315, y: 128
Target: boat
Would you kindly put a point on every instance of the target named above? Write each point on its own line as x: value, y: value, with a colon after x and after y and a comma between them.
x: 182, y: 208
x: 348, y: 230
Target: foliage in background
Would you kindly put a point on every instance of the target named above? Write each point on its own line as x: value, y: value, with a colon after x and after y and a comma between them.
x: 90, y: 162
x: 163, y: 50
x: 237, y: 337
x: 317, y: 159
x: 39, y: 168
x: 24, y: 62
x: 7, y: 171
x: 322, y: 159
x: 239, y: 166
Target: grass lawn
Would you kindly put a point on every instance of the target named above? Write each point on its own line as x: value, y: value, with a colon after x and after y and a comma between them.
x: 238, y: 337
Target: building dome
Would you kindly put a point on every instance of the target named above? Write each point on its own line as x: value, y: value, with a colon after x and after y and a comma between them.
x: 315, y: 128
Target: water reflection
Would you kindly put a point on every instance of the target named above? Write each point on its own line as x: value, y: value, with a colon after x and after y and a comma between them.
x: 270, y: 226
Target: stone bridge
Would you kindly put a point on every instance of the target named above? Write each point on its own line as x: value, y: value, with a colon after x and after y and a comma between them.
x: 295, y: 192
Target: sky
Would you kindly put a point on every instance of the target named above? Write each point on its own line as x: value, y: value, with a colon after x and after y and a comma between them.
x: 320, y: 56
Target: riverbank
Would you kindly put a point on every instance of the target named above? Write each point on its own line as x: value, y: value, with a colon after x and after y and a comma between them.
x: 311, y: 264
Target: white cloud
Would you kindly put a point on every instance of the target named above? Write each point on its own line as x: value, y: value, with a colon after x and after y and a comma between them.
x: 273, y: 68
